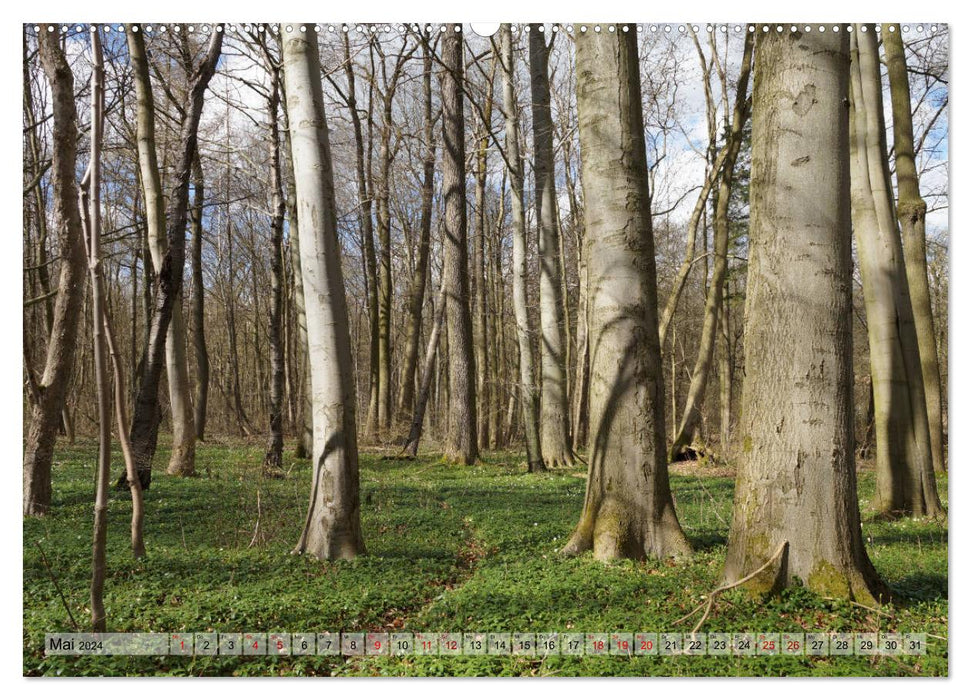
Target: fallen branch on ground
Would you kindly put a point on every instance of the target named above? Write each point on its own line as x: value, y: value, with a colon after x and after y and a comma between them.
x: 721, y: 589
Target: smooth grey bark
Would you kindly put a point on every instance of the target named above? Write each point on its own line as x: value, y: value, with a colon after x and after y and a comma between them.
x: 52, y: 386
x: 905, y: 473
x: 691, y: 417
x: 332, y: 529
x: 91, y: 196
x: 169, y: 264
x: 628, y: 510
x: 305, y: 419
x: 554, y: 402
x: 528, y: 395
x: 911, y: 212
x: 182, y: 461
x: 461, y: 440
x: 796, y: 479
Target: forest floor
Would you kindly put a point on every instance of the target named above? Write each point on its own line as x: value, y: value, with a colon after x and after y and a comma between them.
x: 449, y: 549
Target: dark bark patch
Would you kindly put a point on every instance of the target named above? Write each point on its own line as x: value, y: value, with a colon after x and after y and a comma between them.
x: 805, y: 100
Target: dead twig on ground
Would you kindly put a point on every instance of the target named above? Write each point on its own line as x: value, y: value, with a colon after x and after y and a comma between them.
x: 710, y: 598
x: 57, y: 586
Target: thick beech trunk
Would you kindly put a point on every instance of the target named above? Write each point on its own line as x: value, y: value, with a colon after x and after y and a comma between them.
x: 628, y: 510
x: 797, y: 478
x: 461, y: 441
x: 305, y: 419
x: 333, y: 526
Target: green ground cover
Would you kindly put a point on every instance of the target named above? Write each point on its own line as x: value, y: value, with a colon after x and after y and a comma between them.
x: 449, y: 549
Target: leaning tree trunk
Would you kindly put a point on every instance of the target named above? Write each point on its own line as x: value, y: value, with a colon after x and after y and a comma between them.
x: 905, y: 472
x: 428, y: 371
x: 167, y: 332
x: 795, y: 498
x: 274, y: 452
x: 121, y: 421
x: 911, y: 211
x: 520, y: 278
x: 461, y: 441
x: 201, y: 398
x: 52, y: 387
x: 691, y: 418
x: 332, y: 529
x: 104, y: 341
x: 628, y: 510
x: 681, y: 278
x: 554, y: 404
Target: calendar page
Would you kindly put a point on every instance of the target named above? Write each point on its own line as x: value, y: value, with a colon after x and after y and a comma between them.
x: 419, y: 348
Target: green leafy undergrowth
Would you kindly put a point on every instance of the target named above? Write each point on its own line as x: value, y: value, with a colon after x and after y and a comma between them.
x: 450, y: 548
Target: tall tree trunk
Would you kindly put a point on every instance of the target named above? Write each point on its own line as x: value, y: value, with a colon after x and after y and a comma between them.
x: 628, y: 510
x: 428, y: 371
x: 274, y: 452
x: 385, y: 291
x: 41, y: 260
x: 497, y: 329
x: 201, y: 402
x: 92, y: 191
x: 163, y: 345
x: 332, y: 529
x: 59, y: 364
x: 796, y: 485
x: 367, y: 226
x: 905, y: 472
x: 416, y: 297
x: 671, y: 305
x: 581, y: 380
x: 725, y: 376
x: 305, y: 437
x: 911, y: 211
x: 554, y: 403
x: 691, y: 418
x: 480, y: 295
x: 461, y: 441
x: 121, y: 421
x: 528, y: 394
